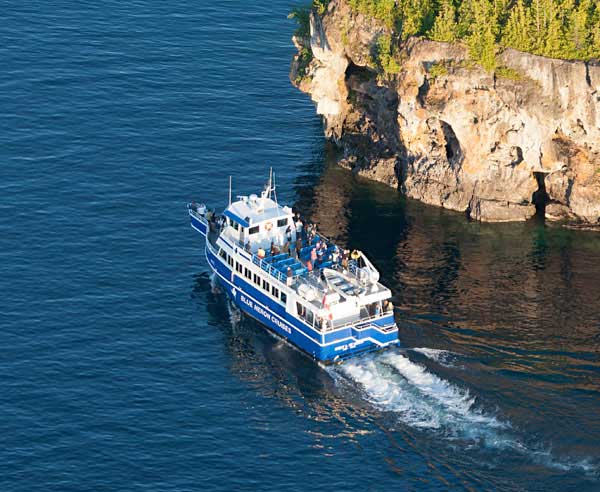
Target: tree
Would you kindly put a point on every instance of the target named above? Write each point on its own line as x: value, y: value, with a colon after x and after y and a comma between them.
x: 553, y: 37
x: 580, y: 30
x: 445, y: 27
x: 482, y: 38
x: 517, y: 33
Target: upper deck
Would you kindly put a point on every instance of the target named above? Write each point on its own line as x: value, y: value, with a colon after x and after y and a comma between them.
x: 324, y: 279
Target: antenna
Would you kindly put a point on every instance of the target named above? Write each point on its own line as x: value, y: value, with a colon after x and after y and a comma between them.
x: 274, y: 188
x: 270, y: 181
x: 230, y: 190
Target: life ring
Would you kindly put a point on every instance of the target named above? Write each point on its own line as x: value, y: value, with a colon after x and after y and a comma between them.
x: 268, y: 226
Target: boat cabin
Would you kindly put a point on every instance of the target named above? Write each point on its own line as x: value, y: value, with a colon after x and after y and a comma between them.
x: 258, y: 221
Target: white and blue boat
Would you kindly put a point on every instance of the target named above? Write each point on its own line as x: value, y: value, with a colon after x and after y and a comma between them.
x: 297, y: 283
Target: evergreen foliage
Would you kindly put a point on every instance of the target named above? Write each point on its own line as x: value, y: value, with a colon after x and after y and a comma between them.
x: 385, y: 55
x: 567, y: 29
x: 302, y: 17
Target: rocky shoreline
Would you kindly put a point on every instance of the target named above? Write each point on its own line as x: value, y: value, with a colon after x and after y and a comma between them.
x: 499, y: 146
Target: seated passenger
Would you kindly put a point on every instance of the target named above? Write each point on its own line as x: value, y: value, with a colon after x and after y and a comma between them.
x: 260, y: 253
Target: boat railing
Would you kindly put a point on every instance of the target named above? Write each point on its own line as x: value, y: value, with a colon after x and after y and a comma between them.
x: 365, y: 321
x: 267, y: 267
x: 196, y: 214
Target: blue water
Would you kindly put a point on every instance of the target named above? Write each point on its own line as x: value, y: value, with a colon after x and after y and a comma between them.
x: 120, y: 369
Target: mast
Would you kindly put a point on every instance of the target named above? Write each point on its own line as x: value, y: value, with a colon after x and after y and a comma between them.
x: 230, y: 190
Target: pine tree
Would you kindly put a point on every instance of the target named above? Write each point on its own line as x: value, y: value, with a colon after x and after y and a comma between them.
x: 465, y: 18
x: 482, y: 39
x: 553, y: 38
x: 445, y: 25
x: 579, y: 30
x: 517, y: 33
x: 594, y: 48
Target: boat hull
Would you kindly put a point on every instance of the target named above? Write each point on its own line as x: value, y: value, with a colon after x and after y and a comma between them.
x: 328, y: 348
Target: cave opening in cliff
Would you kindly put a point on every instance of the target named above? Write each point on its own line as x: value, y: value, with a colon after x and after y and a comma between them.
x: 358, y: 74
x: 540, y: 198
x: 453, y: 151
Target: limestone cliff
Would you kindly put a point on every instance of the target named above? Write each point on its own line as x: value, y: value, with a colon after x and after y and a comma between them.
x: 448, y: 133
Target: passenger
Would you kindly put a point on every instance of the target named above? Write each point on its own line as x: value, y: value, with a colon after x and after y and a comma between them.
x: 298, y: 224
x: 260, y: 253
x: 288, y: 234
x: 309, y: 266
x: 323, y: 324
x: 335, y: 255
x: 248, y: 248
x: 313, y: 255
x: 274, y: 249
x: 345, y: 262
x: 388, y: 307
x: 377, y: 309
x: 209, y: 215
x: 355, y: 255
x: 286, y: 247
x: 290, y: 276
x: 298, y: 246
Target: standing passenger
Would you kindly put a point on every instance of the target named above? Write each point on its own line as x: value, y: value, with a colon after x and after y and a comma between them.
x: 313, y: 255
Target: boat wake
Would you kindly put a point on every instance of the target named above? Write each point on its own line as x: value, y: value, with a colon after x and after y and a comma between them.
x: 418, y: 398
x: 442, y: 357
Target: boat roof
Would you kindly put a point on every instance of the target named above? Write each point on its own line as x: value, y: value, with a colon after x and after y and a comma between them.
x: 254, y: 210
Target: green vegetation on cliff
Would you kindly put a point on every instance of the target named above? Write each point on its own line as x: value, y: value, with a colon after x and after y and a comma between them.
x: 567, y: 29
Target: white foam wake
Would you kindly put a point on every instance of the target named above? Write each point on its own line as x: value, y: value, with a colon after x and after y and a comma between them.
x: 419, y: 398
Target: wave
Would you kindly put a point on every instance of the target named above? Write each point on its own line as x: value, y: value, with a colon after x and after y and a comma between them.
x: 418, y: 398
x: 392, y: 382
x: 444, y: 357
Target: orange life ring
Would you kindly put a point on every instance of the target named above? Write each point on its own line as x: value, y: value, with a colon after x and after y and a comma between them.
x: 269, y: 226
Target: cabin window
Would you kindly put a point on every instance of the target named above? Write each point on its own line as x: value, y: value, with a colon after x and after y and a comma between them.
x: 266, y: 285
x: 309, y: 317
x: 256, y: 279
x: 230, y: 261
x: 222, y: 254
x: 282, y: 222
x: 284, y: 298
x: 254, y: 230
x: 247, y: 273
x: 275, y: 291
x: 238, y: 267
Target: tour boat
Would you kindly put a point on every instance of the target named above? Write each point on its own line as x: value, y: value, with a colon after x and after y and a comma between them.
x: 295, y: 281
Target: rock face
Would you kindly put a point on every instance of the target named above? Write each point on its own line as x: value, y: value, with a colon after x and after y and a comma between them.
x: 446, y: 132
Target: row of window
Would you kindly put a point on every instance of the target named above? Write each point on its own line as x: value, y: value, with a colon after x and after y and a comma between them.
x: 253, y: 277
x: 255, y: 229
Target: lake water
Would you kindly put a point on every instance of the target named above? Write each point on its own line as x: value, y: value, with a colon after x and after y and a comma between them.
x: 121, y: 370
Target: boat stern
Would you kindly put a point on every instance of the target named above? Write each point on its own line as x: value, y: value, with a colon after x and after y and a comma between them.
x: 368, y: 336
